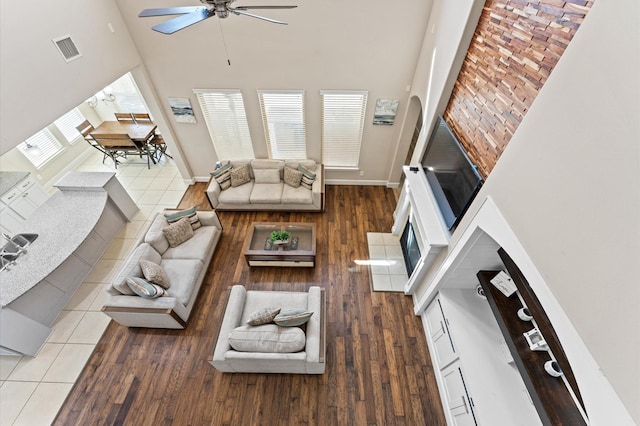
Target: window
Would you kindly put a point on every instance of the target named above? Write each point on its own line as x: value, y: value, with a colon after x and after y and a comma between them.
x: 342, y: 125
x: 226, y: 120
x: 67, y: 125
x: 283, y: 121
x: 40, y: 148
x: 127, y: 97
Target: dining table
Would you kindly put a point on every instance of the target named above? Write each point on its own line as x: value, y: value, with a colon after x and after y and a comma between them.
x: 138, y: 132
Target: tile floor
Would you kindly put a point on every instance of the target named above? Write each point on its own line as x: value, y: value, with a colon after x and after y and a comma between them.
x: 32, y: 389
x: 388, y: 271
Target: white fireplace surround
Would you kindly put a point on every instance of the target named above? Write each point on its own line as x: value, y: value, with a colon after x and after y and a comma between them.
x: 417, y: 204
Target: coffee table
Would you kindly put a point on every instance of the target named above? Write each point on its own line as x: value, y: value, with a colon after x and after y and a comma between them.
x: 299, y: 252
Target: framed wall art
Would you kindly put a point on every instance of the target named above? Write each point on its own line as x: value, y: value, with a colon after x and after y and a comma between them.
x: 182, y: 110
x: 385, y: 112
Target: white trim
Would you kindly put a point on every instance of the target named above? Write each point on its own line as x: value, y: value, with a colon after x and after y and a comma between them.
x: 355, y: 182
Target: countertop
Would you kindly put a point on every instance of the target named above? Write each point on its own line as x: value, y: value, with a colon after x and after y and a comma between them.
x: 63, y: 222
x: 10, y: 179
x: 86, y: 180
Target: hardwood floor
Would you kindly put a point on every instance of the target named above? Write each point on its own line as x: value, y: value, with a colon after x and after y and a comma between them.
x: 378, y: 366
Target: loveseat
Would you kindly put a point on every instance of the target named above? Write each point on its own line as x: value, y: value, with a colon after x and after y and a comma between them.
x: 185, y: 266
x: 267, y: 187
x: 242, y: 304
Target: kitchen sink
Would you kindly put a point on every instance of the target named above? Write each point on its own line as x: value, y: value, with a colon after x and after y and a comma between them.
x: 7, y: 259
x: 24, y: 239
x: 14, y: 247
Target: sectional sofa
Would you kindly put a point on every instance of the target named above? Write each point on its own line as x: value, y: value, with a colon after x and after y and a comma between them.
x: 267, y: 187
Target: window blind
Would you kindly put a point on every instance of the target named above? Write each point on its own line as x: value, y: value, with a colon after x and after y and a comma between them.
x: 342, y: 125
x: 40, y: 148
x: 283, y: 121
x: 67, y: 125
x: 226, y: 120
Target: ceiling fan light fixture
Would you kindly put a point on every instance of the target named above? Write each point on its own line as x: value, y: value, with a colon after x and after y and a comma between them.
x: 221, y: 11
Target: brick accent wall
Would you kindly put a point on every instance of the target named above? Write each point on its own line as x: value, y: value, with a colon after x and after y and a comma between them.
x: 515, y: 47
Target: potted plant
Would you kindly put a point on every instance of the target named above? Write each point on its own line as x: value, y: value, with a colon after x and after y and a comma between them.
x: 280, y: 237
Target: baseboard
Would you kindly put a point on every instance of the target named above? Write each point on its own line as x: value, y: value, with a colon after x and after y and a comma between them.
x: 355, y: 182
x: 199, y: 179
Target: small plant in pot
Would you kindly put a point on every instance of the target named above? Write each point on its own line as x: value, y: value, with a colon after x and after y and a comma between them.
x: 280, y: 237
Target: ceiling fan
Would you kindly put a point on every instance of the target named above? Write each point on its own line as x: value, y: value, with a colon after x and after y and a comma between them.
x: 194, y: 14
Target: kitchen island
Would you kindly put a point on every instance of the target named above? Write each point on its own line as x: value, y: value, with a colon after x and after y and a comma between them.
x: 74, y: 229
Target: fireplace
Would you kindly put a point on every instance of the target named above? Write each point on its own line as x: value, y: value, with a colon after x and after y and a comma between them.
x: 419, y: 225
x: 410, y: 248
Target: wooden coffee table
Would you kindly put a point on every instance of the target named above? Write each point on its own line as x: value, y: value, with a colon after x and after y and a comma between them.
x: 299, y: 252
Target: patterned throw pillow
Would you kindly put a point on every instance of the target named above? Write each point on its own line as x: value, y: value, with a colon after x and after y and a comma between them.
x: 188, y: 213
x: 292, y: 317
x: 307, y: 177
x: 145, y: 289
x: 292, y: 177
x: 178, y: 232
x: 154, y: 273
x: 223, y: 176
x: 240, y: 176
x: 263, y: 316
x: 267, y: 175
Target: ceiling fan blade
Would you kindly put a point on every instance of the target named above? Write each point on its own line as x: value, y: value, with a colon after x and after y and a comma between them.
x: 242, y: 12
x: 181, y: 22
x: 168, y: 11
x: 264, y: 7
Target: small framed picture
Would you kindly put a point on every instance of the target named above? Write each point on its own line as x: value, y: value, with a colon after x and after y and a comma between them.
x: 385, y: 112
x: 182, y: 110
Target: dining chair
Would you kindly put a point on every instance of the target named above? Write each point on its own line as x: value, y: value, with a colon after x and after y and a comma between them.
x: 141, y: 117
x: 121, y: 145
x: 85, y: 128
x: 124, y: 116
x: 158, y: 146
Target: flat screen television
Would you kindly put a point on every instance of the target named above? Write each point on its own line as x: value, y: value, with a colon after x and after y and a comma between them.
x: 453, y: 178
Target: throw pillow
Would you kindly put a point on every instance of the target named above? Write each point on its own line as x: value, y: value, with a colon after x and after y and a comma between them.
x: 191, y: 214
x: 263, y: 316
x: 292, y: 177
x: 240, y: 176
x: 267, y: 175
x: 154, y: 273
x: 307, y: 177
x: 223, y: 176
x: 178, y: 232
x: 267, y: 338
x: 145, y: 289
x: 292, y: 317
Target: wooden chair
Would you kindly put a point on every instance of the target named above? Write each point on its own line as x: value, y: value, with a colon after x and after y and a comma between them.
x: 141, y: 117
x: 121, y: 145
x: 158, y: 147
x: 85, y: 128
x: 124, y: 116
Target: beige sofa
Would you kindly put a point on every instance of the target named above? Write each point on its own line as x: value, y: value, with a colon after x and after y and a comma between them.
x: 270, y: 196
x: 185, y: 265
x: 242, y: 303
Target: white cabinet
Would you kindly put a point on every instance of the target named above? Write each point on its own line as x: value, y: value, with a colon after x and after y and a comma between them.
x: 478, y: 384
x: 446, y: 361
x: 440, y: 336
x: 458, y: 400
x: 9, y: 220
x: 24, y: 198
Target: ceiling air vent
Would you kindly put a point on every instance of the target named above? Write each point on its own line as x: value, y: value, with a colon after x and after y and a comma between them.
x: 67, y: 48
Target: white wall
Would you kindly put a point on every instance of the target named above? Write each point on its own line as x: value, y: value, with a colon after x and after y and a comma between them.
x: 360, y: 45
x: 38, y: 86
x: 568, y: 186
